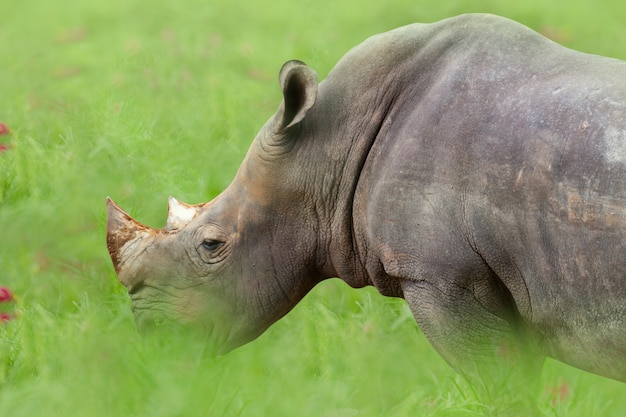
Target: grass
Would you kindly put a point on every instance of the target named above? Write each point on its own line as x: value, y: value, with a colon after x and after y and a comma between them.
x: 140, y: 100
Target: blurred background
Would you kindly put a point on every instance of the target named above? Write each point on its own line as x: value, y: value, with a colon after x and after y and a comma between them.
x: 141, y: 100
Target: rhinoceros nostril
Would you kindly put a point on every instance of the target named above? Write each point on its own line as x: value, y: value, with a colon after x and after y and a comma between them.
x: 134, y: 289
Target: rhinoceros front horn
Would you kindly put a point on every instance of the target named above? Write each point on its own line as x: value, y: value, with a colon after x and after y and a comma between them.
x: 123, y: 234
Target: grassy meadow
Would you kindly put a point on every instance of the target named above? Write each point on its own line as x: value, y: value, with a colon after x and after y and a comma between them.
x: 142, y: 100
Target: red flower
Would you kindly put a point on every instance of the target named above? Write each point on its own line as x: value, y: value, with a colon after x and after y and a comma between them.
x: 4, y: 129
x: 5, y: 295
x: 559, y: 393
x: 4, y: 317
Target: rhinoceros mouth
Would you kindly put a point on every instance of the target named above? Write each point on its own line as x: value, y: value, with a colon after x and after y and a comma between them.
x: 148, y: 318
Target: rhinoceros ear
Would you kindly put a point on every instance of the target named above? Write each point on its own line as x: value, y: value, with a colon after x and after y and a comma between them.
x: 299, y: 85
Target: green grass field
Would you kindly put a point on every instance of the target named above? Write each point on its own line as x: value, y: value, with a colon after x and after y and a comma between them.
x: 142, y: 100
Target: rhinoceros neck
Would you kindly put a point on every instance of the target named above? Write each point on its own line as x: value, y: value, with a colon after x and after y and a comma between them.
x: 353, y: 148
x: 352, y: 111
x: 361, y: 97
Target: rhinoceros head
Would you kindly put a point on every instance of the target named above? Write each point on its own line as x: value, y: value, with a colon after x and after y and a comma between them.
x: 237, y: 264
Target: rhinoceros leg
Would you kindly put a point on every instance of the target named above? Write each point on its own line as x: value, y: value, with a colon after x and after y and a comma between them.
x: 477, y: 343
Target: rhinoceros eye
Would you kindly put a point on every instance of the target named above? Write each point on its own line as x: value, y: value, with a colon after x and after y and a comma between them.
x: 211, y: 245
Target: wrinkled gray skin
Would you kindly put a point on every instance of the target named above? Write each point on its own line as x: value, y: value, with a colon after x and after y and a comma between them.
x: 470, y: 166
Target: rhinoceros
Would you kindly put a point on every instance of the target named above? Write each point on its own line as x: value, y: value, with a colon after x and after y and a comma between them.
x: 470, y: 166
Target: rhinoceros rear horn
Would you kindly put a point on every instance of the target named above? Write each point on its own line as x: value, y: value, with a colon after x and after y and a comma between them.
x: 299, y: 85
x: 179, y: 213
x: 123, y: 232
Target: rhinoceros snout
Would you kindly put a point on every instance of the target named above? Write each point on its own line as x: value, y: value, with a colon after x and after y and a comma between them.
x: 129, y: 241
